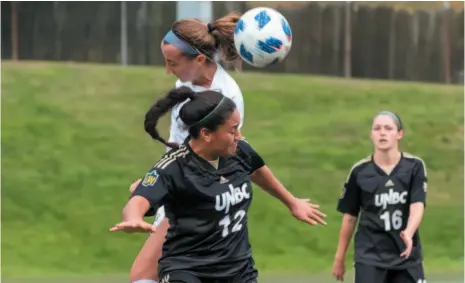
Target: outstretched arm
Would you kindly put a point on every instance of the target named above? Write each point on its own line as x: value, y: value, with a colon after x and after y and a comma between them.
x: 149, y: 194
x: 302, y: 209
x: 265, y: 178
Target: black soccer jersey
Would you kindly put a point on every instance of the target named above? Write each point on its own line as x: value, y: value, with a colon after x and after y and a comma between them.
x: 382, y: 202
x: 207, y: 210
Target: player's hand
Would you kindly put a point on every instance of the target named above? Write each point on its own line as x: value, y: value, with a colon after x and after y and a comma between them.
x: 339, y: 269
x: 134, y: 185
x: 307, y: 212
x: 134, y: 226
x: 408, y: 244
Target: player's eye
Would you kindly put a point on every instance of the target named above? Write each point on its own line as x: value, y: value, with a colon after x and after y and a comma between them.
x: 171, y: 63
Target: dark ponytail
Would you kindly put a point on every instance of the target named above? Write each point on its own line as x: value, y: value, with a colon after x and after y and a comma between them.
x: 161, y: 107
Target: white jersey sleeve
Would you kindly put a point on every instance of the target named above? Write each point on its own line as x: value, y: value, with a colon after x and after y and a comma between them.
x: 159, y: 216
x: 177, y: 131
x: 236, y: 96
x: 173, y: 128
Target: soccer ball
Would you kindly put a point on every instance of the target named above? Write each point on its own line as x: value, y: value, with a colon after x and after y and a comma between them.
x: 262, y: 37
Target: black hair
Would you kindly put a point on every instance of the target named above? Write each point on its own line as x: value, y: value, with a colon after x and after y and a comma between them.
x: 207, y: 109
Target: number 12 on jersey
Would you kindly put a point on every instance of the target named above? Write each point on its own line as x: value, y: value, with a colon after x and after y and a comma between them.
x: 226, y: 221
x: 395, y: 218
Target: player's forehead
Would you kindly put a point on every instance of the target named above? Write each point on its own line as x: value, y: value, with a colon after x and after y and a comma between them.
x: 170, y: 52
x: 234, y: 119
x: 384, y: 120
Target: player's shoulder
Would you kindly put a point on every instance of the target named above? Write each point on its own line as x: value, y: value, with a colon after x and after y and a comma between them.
x: 361, y: 162
x: 227, y: 84
x: 244, y: 150
x: 171, y: 162
x: 359, y: 165
x: 414, y: 160
x: 243, y: 146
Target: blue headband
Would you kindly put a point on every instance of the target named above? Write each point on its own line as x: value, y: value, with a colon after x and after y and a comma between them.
x: 394, y: 116
x: 173, y: 39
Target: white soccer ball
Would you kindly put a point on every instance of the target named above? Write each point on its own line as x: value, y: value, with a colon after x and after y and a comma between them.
x: 262, y: 37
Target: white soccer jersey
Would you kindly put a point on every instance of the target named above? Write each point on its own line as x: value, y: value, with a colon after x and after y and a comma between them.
x: 223, y: 83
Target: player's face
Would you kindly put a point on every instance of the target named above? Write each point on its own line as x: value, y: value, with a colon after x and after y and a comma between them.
x: 224, y: 140
x: 385, y: 133
x: 182, y: 66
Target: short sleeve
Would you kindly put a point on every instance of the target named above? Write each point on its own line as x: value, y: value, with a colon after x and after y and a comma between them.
x: 349, y: 201
x: 419, y: 183
x: 156, y: 187
x: 174, y: 129
x: 232, y: 91
x: 239, y: 101
x: 250, y: 156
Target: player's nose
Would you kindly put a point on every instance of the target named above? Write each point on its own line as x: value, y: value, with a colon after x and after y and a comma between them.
x: 238, y: 135
x: 168, y: 69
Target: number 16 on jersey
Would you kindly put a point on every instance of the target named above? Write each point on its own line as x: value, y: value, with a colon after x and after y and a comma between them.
x: 392, y: 220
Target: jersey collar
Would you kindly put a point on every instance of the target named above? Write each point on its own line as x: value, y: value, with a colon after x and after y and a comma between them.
x: 381, y: 171
x: 205, y: 163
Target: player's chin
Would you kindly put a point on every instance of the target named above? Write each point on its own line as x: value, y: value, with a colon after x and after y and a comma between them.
x: 383, y: 146
x: 232, y: 150
x: 184, y: 78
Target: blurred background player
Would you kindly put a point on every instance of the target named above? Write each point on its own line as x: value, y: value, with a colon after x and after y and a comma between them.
x: 208, y: 242
x: 190, y: 49
x: 386, y: 192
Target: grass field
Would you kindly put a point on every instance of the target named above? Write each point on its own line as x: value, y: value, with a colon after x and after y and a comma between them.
x: 73, y: 140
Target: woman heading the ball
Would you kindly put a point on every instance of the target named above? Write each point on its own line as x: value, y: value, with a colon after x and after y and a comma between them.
x: 190, y: 49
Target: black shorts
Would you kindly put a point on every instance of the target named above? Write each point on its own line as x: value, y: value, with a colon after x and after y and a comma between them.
x: 369, y: 274
x: 248, y: 275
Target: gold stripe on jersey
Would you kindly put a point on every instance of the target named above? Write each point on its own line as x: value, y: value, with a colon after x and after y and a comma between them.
x: 358, y: 163
x: 170, y: 158
x: 408, y: 155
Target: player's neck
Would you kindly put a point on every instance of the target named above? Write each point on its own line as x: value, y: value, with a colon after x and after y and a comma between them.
x: 202, y: 150
x: 206, y: 79
x: 387, y: 158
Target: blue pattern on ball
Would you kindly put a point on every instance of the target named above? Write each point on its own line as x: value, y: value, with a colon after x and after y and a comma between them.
x: 246, y: 55
x: 270, y: 45
x: 239, y: 26
x: 286, y: 29
x: 262, y: 19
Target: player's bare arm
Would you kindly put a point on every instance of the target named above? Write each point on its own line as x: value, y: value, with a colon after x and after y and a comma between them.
x: 416, y: 215
x: 302, y: 209
x: 345, y: 235
x: 134, y: 185
x: 133, y: 214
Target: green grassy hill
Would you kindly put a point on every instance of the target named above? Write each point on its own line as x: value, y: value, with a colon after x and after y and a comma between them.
x: 73, y: 140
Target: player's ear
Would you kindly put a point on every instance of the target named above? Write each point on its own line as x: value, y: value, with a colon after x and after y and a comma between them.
x: 206, y: 134
x: 200, y: 59
x: 400, y: 134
